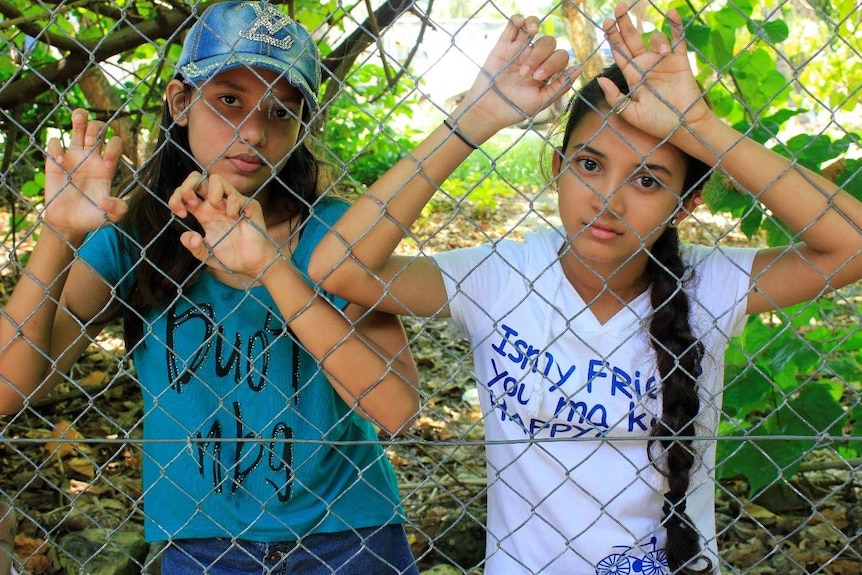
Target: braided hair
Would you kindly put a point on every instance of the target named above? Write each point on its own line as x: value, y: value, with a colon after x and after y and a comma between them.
x: 678, y: 354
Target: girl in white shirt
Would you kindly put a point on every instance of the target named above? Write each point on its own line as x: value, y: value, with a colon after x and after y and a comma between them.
x: 598, y: 346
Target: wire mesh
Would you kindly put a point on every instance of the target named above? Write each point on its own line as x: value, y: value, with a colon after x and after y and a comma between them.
x: 776, y: 439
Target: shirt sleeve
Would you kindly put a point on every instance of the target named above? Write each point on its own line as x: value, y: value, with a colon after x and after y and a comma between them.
x: 323, y: 215
x: 723, y: 280
x: 103, y: 252
x: 473, y: 278
x: 110, y: 258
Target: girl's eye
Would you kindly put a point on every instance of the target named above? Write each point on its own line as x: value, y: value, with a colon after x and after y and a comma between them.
x: 647, y: 182
x: 281, y: 113
x: 229, y: 100
x: 285, y: 110
x: 587, y: 164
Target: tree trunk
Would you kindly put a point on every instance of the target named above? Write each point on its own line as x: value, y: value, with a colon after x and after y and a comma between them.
x: 582, y: 34
x: 104, y: 100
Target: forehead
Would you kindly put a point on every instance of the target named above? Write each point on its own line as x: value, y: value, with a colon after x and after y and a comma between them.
x: 255, y: 80
x: 617, y: 139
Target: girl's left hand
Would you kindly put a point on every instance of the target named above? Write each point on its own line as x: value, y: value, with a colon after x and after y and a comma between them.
x: 235, y: 237
x: 664, y: 93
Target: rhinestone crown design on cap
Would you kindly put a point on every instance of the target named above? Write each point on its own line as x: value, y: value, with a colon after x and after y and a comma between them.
x: 229, y: 35
x: 270, y: 22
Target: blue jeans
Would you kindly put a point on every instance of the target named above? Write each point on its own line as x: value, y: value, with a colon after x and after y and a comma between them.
x: 368, y: 551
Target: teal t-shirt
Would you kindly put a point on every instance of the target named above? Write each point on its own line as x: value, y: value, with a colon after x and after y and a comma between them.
x: 243, y: 435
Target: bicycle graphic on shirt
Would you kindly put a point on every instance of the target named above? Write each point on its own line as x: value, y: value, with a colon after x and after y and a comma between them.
x: 652, y: 563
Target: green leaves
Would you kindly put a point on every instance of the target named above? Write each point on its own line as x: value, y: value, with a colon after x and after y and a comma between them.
x: 773, y: 31
x: 361, y: 131
x: 785, y: 384
x: 34, y: 187
x: 774, y: 449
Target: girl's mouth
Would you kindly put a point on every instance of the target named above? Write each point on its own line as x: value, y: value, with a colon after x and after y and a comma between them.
x: 246, y: 162
x: 601, y: 232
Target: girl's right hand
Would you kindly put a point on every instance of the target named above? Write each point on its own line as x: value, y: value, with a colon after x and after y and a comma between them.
x: 235, y: 238
x: 521, y: 76
x: 78, y: 179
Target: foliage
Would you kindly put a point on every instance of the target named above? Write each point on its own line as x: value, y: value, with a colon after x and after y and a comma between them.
x: 787, y: 376
x: 505, y: 165
x: 115, y: 61
x: 369, y: 127
x: 786, y: 380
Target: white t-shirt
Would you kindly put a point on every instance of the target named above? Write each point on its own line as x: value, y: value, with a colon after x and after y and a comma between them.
x: 571, y: 488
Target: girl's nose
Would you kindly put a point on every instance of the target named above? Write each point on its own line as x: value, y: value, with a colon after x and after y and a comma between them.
x: 253, y: 129
x: 608, y: 197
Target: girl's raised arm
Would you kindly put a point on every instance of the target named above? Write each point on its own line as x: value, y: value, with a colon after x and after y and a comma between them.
x: 666, y: 102
x: 46, y: 322
x: 521, y: 76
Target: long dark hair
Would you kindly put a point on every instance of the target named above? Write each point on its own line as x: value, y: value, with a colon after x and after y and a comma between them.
x: 678, y: 353
x: 152, y: 234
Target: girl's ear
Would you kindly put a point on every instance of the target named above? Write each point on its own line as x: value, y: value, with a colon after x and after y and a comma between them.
x: 689, y: 204
x: 693, y: 201
x: 176, y: 96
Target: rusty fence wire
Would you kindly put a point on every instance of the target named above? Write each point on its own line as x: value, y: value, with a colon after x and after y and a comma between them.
x: 785, y: 472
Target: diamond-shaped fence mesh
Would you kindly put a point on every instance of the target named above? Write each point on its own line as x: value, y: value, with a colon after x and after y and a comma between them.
x: 607, y: 366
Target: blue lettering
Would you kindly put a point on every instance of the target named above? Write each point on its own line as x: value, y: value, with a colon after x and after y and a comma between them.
x: 649, y: 388
x: 513, y: 417
x: 502, y: 347
x: 562, y: 429
x: 595, y: 369
x: 500, y: 375
x: 520, y: 346
x: 619, y: 381
x: 652, y: 387
x: 564, y: 377
x: 596, y: 415
x: 537, y: 425
x: 531, y: 352
x: 548, y: 365
x: 511, y: 386
x: 637, y: 420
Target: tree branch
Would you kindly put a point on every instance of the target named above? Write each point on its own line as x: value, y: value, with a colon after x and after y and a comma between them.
x: 341, y: 60
x: 31, y: 83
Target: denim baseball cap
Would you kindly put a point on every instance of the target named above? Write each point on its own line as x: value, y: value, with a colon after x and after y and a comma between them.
x: 229, y: 35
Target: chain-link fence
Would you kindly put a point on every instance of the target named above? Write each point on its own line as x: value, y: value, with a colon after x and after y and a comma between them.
x: 247, y: 441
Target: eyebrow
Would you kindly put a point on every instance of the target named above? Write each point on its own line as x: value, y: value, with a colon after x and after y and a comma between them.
x: 650, y: 167
x: 287, y: 96
x: 229, y: 84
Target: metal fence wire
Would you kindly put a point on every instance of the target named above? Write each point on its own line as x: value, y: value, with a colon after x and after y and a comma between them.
x: 774, y: 442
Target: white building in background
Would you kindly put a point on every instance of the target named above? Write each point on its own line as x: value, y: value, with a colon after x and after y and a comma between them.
x: 451, y: 53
